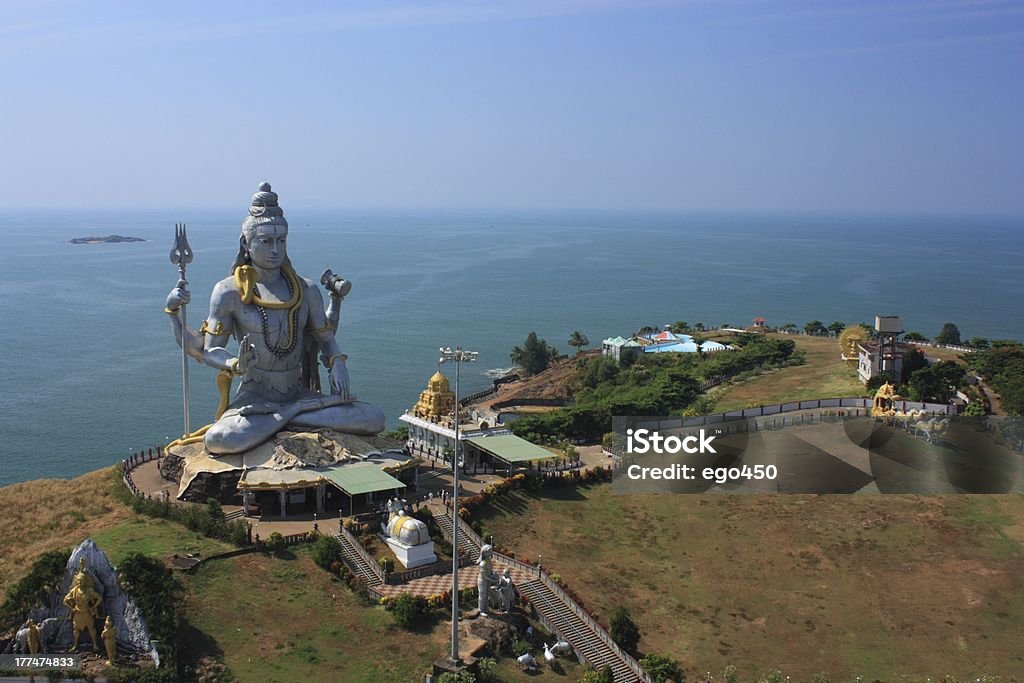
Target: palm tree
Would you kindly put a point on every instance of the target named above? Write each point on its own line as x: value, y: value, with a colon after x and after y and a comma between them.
x: 578, y: 340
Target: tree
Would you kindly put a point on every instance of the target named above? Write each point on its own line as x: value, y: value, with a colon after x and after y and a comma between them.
x: 877, y: 381
x: 789, y: 327
x: 679, y: 326
x: 836, y: 327
x: 949, y: 335
x: 936, y: 383
x: 699, y: 327
x: 624, y: 630
x: 979, y: 343
x: 578, y: 340
x: 816, y: 328
x: 534, y: 356
x: 663, y: 669
x: 913, y: 360
x: 914, y: 337
x: 326, y: 551
x: 974, y: 408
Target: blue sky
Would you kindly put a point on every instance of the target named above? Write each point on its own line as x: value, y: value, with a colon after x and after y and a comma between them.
x: 627, y: 104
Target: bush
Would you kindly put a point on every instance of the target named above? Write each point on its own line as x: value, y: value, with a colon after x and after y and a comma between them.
x: 327, y: 552
x: 275, y: 542
x: 624, y: 630
x: 207, y: 520
x: 487, y: 671
x: 159, y: 596
x: 663, y: 669
x: 464, y: 676
x: 44, y: 578
x: 408, y: 610
x: 604, y: 675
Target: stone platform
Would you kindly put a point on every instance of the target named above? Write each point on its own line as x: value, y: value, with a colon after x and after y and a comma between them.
x: 293, y: 454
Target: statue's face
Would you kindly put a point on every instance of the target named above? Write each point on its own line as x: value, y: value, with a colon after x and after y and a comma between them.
x: 267, y: 246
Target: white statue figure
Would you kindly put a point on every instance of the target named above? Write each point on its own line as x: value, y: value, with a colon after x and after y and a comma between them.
x: 485, y: 580
x: 279, y: 321
x: 506, y: 591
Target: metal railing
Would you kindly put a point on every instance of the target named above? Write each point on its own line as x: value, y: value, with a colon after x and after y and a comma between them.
x: 347, y: 538
x: 563, y: 597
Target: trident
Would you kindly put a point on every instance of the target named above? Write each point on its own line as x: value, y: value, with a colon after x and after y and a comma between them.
x: 181, y: 256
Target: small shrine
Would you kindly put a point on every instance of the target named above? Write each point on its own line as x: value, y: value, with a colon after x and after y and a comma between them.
x: 438, y: 400
x: 408, y: 537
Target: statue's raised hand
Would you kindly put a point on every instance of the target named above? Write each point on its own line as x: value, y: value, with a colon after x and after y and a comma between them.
x: 248, y: 356
x: 179, y: 296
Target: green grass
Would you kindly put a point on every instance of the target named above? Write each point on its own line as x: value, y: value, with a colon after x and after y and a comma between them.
x: 824, y: 375
x: 272, y: 619
x: 159, y: 538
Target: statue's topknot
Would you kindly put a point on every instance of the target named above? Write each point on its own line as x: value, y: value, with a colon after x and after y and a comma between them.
x: 264, y: 210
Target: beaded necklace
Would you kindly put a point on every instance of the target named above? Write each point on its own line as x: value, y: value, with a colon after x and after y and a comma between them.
x: 279, y: 350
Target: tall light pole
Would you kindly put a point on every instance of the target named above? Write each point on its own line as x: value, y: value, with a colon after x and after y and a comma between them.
x: 458, y: 356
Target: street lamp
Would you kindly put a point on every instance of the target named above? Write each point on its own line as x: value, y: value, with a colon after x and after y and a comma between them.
x: 458, y: 356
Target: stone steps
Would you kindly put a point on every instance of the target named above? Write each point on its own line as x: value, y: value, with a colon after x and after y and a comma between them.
x: 357, y: 562
x: 467, y: 543
x: 570, y: 627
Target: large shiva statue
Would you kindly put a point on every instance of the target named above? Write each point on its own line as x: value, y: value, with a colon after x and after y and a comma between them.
x: 279, y: 321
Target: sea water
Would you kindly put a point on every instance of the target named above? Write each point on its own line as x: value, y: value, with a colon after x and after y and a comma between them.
x: 89, y: 371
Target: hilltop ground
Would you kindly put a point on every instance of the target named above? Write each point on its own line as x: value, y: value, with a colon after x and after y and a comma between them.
x: 870, y: 586
x: 892, y: 583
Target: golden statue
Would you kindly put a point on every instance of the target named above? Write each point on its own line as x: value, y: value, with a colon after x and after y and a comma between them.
x: 885, y: 401
x: 33, y: 638
x: 110, y: 640
x: 83, y: 601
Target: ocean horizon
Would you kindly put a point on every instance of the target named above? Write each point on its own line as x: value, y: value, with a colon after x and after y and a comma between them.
x: 92, y: 372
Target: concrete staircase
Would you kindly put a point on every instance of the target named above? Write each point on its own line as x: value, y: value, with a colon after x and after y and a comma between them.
x: 559, y: 613
x: 590, y: 645
x: 359, y: 561
x: 468, y: 543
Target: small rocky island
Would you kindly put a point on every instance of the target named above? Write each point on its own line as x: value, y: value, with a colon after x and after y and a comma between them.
x: 109, y: 239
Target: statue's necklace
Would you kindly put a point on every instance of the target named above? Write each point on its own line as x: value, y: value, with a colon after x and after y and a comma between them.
x: 281, y: 350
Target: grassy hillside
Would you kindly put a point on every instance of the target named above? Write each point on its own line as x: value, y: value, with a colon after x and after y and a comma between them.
x: 824, y: 375
x: 869, y: 586
x: 47, y: 514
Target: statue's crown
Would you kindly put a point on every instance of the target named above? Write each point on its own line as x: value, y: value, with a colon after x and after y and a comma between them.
x: 264, y: 209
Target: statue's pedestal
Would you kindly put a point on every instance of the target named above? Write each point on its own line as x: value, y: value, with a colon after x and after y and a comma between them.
x: 412, y: 556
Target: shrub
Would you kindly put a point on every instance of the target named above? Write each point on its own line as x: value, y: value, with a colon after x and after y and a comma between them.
x: 663, y: 669
x: 624, y: 630
x: 327, y: 552
x: 275, y: 542
x: 159, y: 596
x: 464, y: 676
x: 44, y: 578
x: 604, y: 675
x: 487, y: 671
x: 408, y: 610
